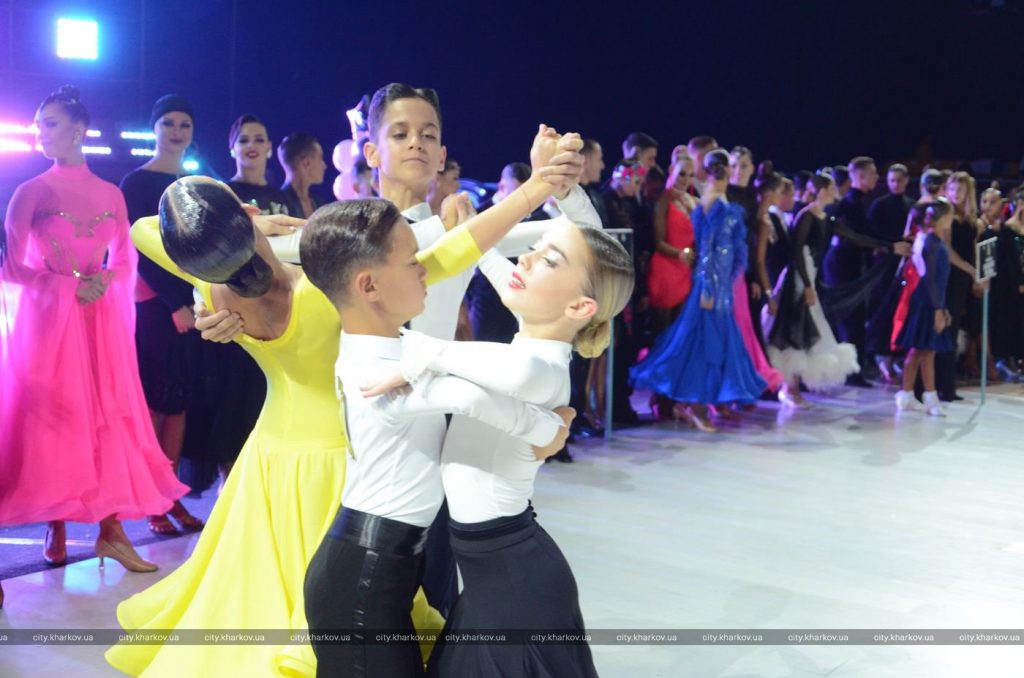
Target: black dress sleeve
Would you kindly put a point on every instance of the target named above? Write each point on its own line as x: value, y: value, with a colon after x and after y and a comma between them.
x: 138, y: 197
x: 801, y: 234
x: 840, y: 228
x: 173, y: 292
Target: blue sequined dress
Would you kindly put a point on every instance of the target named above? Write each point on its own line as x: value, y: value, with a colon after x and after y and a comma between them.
x: 701, y: 358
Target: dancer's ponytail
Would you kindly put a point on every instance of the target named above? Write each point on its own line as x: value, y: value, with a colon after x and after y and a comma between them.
x: 610, y: 279
x: 593, y: 339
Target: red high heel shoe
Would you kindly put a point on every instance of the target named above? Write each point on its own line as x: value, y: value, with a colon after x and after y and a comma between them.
x: 55, y: 551
x: 188, y: 522
x: 161, y: 525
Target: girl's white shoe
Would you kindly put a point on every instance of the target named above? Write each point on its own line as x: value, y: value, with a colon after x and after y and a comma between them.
x: 790, y: 398
x: 906, y: 402
x: 932, y: 406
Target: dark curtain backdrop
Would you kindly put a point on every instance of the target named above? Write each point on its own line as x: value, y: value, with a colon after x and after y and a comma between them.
x: 804, y: 83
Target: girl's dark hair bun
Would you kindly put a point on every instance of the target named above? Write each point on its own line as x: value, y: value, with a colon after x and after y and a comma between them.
x: 68, y: 93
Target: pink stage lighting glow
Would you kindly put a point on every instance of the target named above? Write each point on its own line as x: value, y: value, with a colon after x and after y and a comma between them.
x: 31, y: 130
x: 14, y: 146
x: 15, y: 129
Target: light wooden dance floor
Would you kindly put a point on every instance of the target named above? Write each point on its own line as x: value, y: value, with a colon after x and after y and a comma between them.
x: 841, y: 517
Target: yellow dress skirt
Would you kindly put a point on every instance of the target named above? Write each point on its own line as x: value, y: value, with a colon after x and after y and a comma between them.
x: 249, y: 564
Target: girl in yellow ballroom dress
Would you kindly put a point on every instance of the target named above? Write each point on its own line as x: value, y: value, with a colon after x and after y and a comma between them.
x: 248, y: 567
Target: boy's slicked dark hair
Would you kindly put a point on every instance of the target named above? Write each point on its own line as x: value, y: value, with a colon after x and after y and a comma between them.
x: 701, y: 142
x: 295, y: 147
x: 640, y: 141
x: 342, y: 237
x: 520, y: 171
x: 387, y: 94
x: 861, y: 162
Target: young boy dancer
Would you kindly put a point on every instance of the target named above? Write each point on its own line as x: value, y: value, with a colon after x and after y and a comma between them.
x: 363, y: 577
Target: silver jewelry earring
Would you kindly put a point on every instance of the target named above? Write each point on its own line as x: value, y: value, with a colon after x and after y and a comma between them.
x: 232, y: 153
x: 270, y: 154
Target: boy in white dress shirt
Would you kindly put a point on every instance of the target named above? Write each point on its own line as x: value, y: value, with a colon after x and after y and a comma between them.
x: 363, y: 256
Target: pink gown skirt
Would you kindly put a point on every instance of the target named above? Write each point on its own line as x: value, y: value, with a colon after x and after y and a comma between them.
x: 76, y: 439
x: 741, y: 311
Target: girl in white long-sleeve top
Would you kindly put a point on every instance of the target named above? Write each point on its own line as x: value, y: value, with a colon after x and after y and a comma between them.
x: 565, y: 292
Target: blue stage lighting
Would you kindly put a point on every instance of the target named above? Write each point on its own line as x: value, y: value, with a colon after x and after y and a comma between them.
x: 190, y: 165
x: 77, y: 39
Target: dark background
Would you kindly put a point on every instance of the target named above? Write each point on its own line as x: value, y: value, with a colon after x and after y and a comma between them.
x: 803, y: 83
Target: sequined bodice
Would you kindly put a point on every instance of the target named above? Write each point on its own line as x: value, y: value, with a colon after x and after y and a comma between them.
x: 68, y: 244
x: 73, y: 223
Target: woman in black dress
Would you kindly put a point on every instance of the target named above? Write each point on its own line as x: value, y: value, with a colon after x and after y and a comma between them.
x: 1008, y: 295
x: 164, y: 338
x: 963, y: 236
x: 231, y: 385
x: 989, y: 223
x: 251, y: 148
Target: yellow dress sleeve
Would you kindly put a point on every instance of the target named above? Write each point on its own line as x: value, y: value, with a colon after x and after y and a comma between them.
x: 449, y: 256
x: 146, y: 238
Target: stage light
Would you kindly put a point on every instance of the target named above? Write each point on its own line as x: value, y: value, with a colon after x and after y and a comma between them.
x: 144, y: 152
x: 77, y: 39
x: 138, y: 136
x: 12, y: 146
x: 94, y: 133
x: 96, y: 150
x: 191, y: 165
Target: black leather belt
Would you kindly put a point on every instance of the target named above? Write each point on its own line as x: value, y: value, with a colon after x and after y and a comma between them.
x: 377, y: 533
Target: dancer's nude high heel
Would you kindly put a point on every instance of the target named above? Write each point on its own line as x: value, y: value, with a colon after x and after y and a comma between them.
x: 124, y: 554
x: 686, y: 414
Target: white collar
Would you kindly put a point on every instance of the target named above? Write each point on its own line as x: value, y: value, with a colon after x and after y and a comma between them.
x: 418, y: 212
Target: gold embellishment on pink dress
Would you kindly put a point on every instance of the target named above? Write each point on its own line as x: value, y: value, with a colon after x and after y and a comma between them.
x: 86, y: 230
x: 63, y: 260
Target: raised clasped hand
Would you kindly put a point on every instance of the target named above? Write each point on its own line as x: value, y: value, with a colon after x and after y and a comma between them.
x: 456, y: 209
x: 557, y: 159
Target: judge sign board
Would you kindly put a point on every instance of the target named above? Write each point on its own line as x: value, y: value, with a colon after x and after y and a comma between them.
x: 985, y: 259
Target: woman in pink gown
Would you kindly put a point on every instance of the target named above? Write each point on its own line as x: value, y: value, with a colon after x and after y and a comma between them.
x: 768, y: 186
x: 76, y: 442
